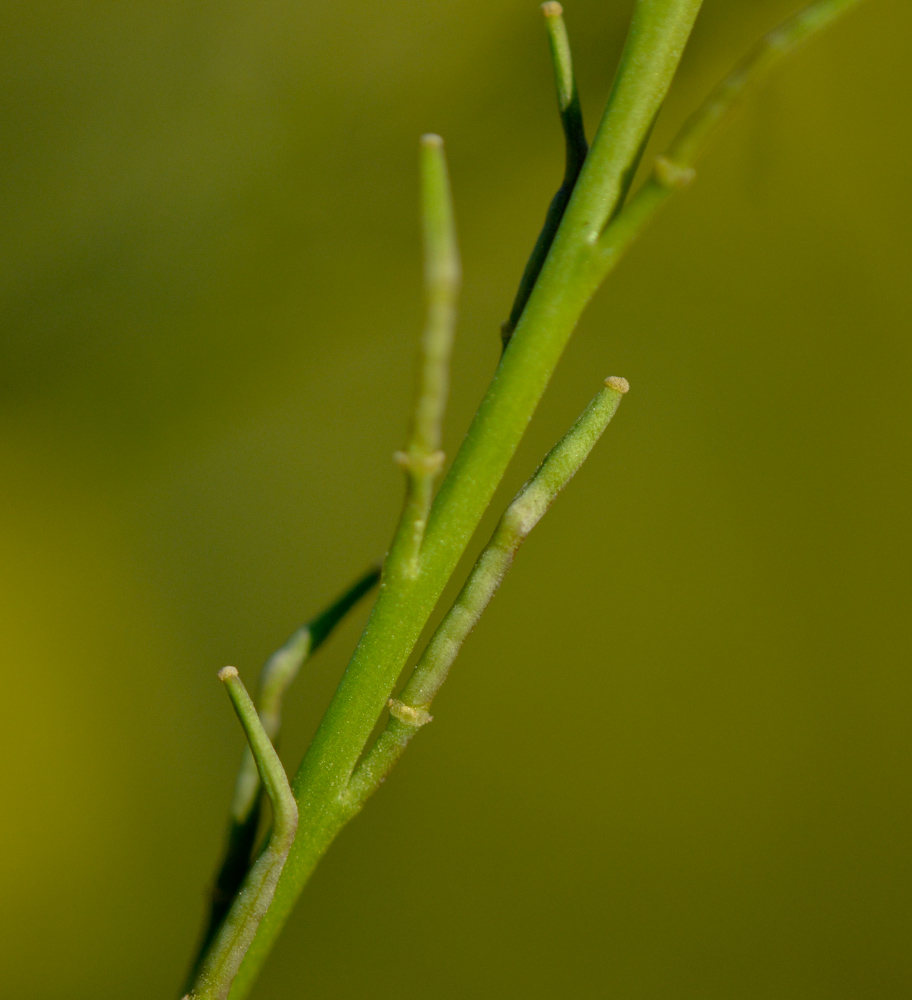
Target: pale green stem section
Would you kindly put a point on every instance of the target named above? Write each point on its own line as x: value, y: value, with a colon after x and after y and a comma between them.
x: 571, y: 116
x: 251, y: 904
x: 674, y: 169
x: 764, y: 56
x: 410, y: 711
x: 275, y: 678
x: 422, y: 459
x: 403, y: 606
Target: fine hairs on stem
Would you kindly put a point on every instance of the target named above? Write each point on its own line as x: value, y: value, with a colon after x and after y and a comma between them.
x: 591, y: 222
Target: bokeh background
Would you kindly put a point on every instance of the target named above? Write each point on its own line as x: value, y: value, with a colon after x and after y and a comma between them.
x: 673, y: 761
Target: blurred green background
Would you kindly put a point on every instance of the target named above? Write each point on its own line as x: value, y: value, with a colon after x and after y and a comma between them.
x: 673, y: 761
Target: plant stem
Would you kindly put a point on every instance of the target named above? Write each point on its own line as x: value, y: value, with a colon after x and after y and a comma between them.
x: 654, y: 46
x: 571, y: 116
x: 220, y: 966
x: 422, y: 459
x: 276, y: 677
x: 410, y: 711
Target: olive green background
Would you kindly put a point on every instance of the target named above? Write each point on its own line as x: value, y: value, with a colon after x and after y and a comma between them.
x: 673, y: 760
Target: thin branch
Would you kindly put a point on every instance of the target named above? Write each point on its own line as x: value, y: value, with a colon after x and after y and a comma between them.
x: 571, y: 116
x: 422, y: 459
x: 224, y: 957
x: 411, y: 710
x: 276, y: 677
x: 674, y: 169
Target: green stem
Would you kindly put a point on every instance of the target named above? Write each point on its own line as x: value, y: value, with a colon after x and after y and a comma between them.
x: 422, y: 459
x: 571, y: 116
x: 276, y: 677
x: 410, y: 710
x: 223, y: 959
x: 658, y: 33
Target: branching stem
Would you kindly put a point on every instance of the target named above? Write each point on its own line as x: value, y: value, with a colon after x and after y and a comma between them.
x: 410, y: 710
x: 674, y: 169
x: 276, y: 677
x: 592, y: 235
x: 654, y: 46
x: 220, y: 966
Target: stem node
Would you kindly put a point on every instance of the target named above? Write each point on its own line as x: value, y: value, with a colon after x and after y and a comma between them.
x: 671, y: 175
x: 409, y: 714
x: 418, y: 463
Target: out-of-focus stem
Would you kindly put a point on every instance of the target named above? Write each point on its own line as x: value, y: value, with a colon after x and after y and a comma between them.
x: 674, y: 169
